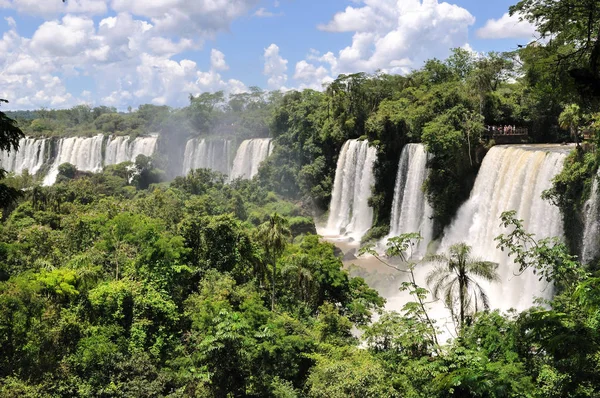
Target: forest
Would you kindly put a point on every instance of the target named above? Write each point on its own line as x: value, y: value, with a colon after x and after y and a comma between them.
x: 138, y: 280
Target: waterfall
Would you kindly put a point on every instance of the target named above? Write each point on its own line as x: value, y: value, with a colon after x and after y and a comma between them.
x: 510, y: 178
x: 410, y: 210
x: 124, y: 149
x: 85, y: 153
x: 249, y: 156
x: 207, y: 154
x: 30, y: 156
x: 591, y: 232
x: 349, y: 212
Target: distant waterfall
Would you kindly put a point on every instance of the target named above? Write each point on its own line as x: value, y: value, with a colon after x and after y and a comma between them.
x: 349, y: 212
x: 591, y: 233
x: 249, y: 156
x: 124, y: 149
x: 85, y: 153
x: 31, y: 156
x: 410, y: 210
x: 207, y: 154
x: 510, y: 178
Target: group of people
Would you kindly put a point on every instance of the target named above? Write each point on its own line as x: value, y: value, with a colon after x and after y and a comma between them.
x: 508, y: 130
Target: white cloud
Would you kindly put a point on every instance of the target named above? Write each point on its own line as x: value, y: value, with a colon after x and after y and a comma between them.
x: 264, y: 13
x: 311, y: 76
x: 275, y: 68
x: 128, y: 59
x: 217, y: 60
x: 71, y: 36
x: 507, y: 27
x: 188, y: 18
x: 395, y: 36
x: 11, y: 22
x: 55, y: 7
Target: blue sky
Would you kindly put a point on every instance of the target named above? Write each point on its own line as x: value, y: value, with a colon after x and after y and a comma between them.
x: 127, y: 52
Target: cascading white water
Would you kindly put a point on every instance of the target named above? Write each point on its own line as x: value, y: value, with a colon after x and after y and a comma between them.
x: 349, y: 212
x: 207, y: 154
x: 410, y: 210
x: 510, y: 178
x: 85, y: 153
x: 591, y: 233
x: 123, y: 149
x: 249, y: 156
x: 31, y: 156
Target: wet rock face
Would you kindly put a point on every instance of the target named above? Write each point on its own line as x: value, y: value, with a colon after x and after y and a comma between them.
x: 350, y: 255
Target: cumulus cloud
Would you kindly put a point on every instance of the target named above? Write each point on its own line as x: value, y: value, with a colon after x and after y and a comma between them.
x: 217, y: 60
x: 128, y: 59
x: 391, y: 36
x: 187, y: 18
x: 311, y: 76
x: 53, y: 8
x: 71, y: 36
x: 275, y: 68
x: 507, y: 27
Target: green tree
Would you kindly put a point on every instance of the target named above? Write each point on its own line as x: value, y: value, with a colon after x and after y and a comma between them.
x: 573, y: 30
x: 10, y: 134
x: 569, y: 119
x: 401, y: 247
x: 274, y: 236
x: 455, y: 281
x: 203, y: 110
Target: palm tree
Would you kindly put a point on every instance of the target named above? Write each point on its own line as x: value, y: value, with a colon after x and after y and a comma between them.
x: 455, y: 277
x: 274, y: 236
x: 299, y: 272
x: 569, y: 119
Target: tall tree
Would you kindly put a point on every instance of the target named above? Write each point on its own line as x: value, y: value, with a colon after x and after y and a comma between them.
x: 10, y: 134
x: 454, y: 279
x: 274, y: 236
x: 573, y: 30
x: 569, y: 120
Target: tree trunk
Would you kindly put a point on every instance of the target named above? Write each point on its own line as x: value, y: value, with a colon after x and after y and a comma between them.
x: 273, y: 289
x: 461, y: 295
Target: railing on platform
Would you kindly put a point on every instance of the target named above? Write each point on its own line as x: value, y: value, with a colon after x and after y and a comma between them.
x: 505, y: 130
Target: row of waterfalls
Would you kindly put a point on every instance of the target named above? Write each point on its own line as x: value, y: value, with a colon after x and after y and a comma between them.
x: 85, y: 153
x: 45, y: 155
x: 510, y: 178
x: 217, y: 155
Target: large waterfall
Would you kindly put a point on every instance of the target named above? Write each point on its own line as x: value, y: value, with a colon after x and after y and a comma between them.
x: 349, y: 212
x: 124, y: 149
x: 31, y: 156
x: 85, y: 153
x: 410, y: 210
x: 207, y: 154
x: 510, y: 178
x: 249, y: 156
x: 591, y: 232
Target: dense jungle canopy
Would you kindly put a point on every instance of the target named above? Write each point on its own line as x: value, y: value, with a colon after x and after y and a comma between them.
x: 134, y: 282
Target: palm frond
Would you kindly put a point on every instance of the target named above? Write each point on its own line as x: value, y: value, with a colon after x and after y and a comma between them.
x: 436, y: 258
x: 484, y: 269
x: 483, y: 295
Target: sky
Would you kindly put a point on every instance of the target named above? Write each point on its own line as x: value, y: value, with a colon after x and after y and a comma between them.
x: 125, y: 53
